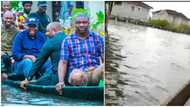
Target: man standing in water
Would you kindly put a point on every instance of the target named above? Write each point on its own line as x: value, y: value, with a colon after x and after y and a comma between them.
x: 81, y: 56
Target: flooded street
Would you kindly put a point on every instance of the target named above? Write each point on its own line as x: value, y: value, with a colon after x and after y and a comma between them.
x: 152, y: 64
x: 11, y: 96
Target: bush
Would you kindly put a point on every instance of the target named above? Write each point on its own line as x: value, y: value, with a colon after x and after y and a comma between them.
x: 184, y: 28
x: 164, y: 24
x: 159, y: 23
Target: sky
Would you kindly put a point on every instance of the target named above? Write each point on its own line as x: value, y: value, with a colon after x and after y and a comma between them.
x: 182, y: 7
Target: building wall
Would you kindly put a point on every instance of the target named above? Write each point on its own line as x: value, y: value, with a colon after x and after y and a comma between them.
x: 161, y: 15
x: 130, y: 11
x: 180, y: 20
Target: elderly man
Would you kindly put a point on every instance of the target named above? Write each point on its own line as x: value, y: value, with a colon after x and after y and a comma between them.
x: 81, y: 56
x: 41, y: 15
x: 26, y: 48
x: 50, y: 49
x: 8, y: 32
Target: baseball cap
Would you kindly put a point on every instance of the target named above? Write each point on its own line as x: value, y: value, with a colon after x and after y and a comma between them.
x: 42, y: 4
x: 32, y: 21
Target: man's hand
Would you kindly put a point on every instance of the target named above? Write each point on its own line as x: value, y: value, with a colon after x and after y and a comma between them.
x: 2, y: 53
x: 32, y: 57
x: 4, y: 76
x: 12, y: 60
x: 59, y: 87
x: 23, y: 84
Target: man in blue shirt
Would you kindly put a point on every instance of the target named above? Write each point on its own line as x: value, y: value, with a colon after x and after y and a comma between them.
x: 26, y: 48
x: 51, y: 49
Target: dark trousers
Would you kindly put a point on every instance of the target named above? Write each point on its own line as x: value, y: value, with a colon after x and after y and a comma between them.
x: 48, y: 78
x: 6, y: 63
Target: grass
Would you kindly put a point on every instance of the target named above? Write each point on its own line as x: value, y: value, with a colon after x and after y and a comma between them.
x: 164, y: 24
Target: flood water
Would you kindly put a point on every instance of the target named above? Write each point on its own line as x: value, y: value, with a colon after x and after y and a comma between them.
x: 153, y: 64
x: 11, y: 96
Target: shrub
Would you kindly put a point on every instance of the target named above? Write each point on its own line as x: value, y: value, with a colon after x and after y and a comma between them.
x: 164, y: 24
x: 159, y: 23
x: 184, y: 28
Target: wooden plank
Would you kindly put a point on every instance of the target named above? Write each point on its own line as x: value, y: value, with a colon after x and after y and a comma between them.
x: 182, y: 97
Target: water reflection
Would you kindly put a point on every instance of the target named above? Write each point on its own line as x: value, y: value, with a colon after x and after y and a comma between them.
x: 13, y: 96
x: 153, y: 64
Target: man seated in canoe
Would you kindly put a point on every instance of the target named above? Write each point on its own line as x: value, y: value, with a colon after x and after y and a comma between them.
x: 51, y: 49
x: 26, y: 47
x: 8, y: 33
x: 81, y: 56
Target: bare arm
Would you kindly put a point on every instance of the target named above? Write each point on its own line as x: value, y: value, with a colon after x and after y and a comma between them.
x: 62, y: 67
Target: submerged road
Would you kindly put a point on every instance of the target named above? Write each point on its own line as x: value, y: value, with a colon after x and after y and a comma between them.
x: 154, y: 65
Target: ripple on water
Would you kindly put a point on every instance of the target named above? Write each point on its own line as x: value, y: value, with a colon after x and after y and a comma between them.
x: 149, y: 61
x: 13, y: 96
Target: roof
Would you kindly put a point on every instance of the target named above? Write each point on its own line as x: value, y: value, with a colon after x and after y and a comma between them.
x: 140, y: 3
x: 172, y: 12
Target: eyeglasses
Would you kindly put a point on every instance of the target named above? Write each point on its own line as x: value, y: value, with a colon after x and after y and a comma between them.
x: 81, y: 22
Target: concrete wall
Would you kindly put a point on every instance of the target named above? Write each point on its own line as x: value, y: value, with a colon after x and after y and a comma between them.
x: 130, y: 11
x: 180, y: 20
x: 161, y: 15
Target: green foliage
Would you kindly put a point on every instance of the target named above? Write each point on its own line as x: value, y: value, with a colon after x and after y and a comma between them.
x: 160, y: 23
x: 182, y: 28
x: 100, y: 20
x: 15, y: 6
x: 164, y: 24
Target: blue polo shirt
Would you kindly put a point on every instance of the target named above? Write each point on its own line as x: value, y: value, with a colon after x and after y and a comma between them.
x: 26, y: 45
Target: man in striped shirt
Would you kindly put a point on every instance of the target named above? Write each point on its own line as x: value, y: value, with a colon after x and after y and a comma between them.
x: 81, y: 56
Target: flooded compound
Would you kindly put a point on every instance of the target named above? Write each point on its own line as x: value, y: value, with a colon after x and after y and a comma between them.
x: 151, y: 65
